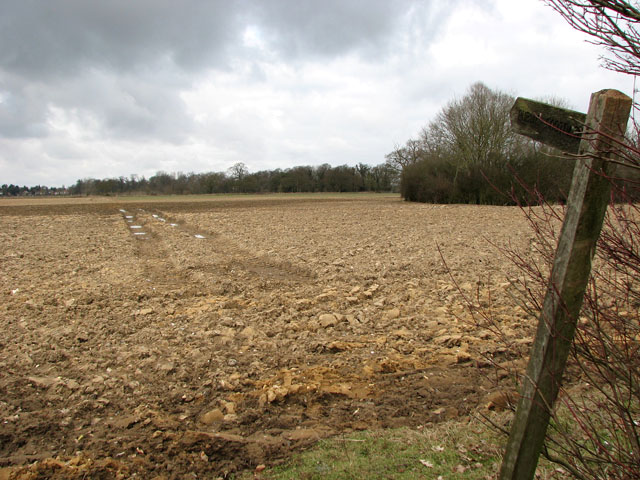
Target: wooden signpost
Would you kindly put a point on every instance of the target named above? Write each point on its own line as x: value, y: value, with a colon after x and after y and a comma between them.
x: 557, y: 127
x: 590, y: 137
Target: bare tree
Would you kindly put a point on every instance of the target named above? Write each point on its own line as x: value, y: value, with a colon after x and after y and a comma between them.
x: 238, y: 171
x: 402, y: 157
x: 613, y: 24
x: 474, y: 130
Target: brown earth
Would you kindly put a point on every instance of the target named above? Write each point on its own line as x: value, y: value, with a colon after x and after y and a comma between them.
x: 167, y: 355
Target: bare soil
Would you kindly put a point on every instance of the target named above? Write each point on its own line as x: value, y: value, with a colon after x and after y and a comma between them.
x: 232, y: 333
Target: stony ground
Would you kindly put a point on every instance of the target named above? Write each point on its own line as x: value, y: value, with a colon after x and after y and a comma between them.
x: 194, y: 339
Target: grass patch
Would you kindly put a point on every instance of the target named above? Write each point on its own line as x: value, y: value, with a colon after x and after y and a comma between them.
x: 451, y: 450
x: 448, y: 451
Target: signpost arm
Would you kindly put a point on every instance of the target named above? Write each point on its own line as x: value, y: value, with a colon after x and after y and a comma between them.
x: 586, y: 207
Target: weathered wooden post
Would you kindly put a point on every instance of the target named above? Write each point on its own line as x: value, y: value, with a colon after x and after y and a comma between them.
x: 586, y: 207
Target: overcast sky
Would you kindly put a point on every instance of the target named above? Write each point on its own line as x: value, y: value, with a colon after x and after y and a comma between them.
x: 93, y: 88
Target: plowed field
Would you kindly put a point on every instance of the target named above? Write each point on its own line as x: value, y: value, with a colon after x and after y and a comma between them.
x: 194, y: 339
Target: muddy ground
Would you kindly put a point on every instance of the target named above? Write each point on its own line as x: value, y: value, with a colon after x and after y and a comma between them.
x: 221, y: 335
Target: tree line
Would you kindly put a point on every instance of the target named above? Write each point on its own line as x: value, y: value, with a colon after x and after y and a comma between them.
x: 238, y: 179
x: 11, y: 190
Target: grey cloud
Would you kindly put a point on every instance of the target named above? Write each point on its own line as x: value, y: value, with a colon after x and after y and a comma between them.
x: 130, y: 107
x: 22, y: 109
x: 20, y: 118
x: 48, y: 39
x: 124, y: 107
x: 73, y: 54
x: 330, y: 27
x: 370, y: 28
x: 122, y: 63
x: 57, y: 38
